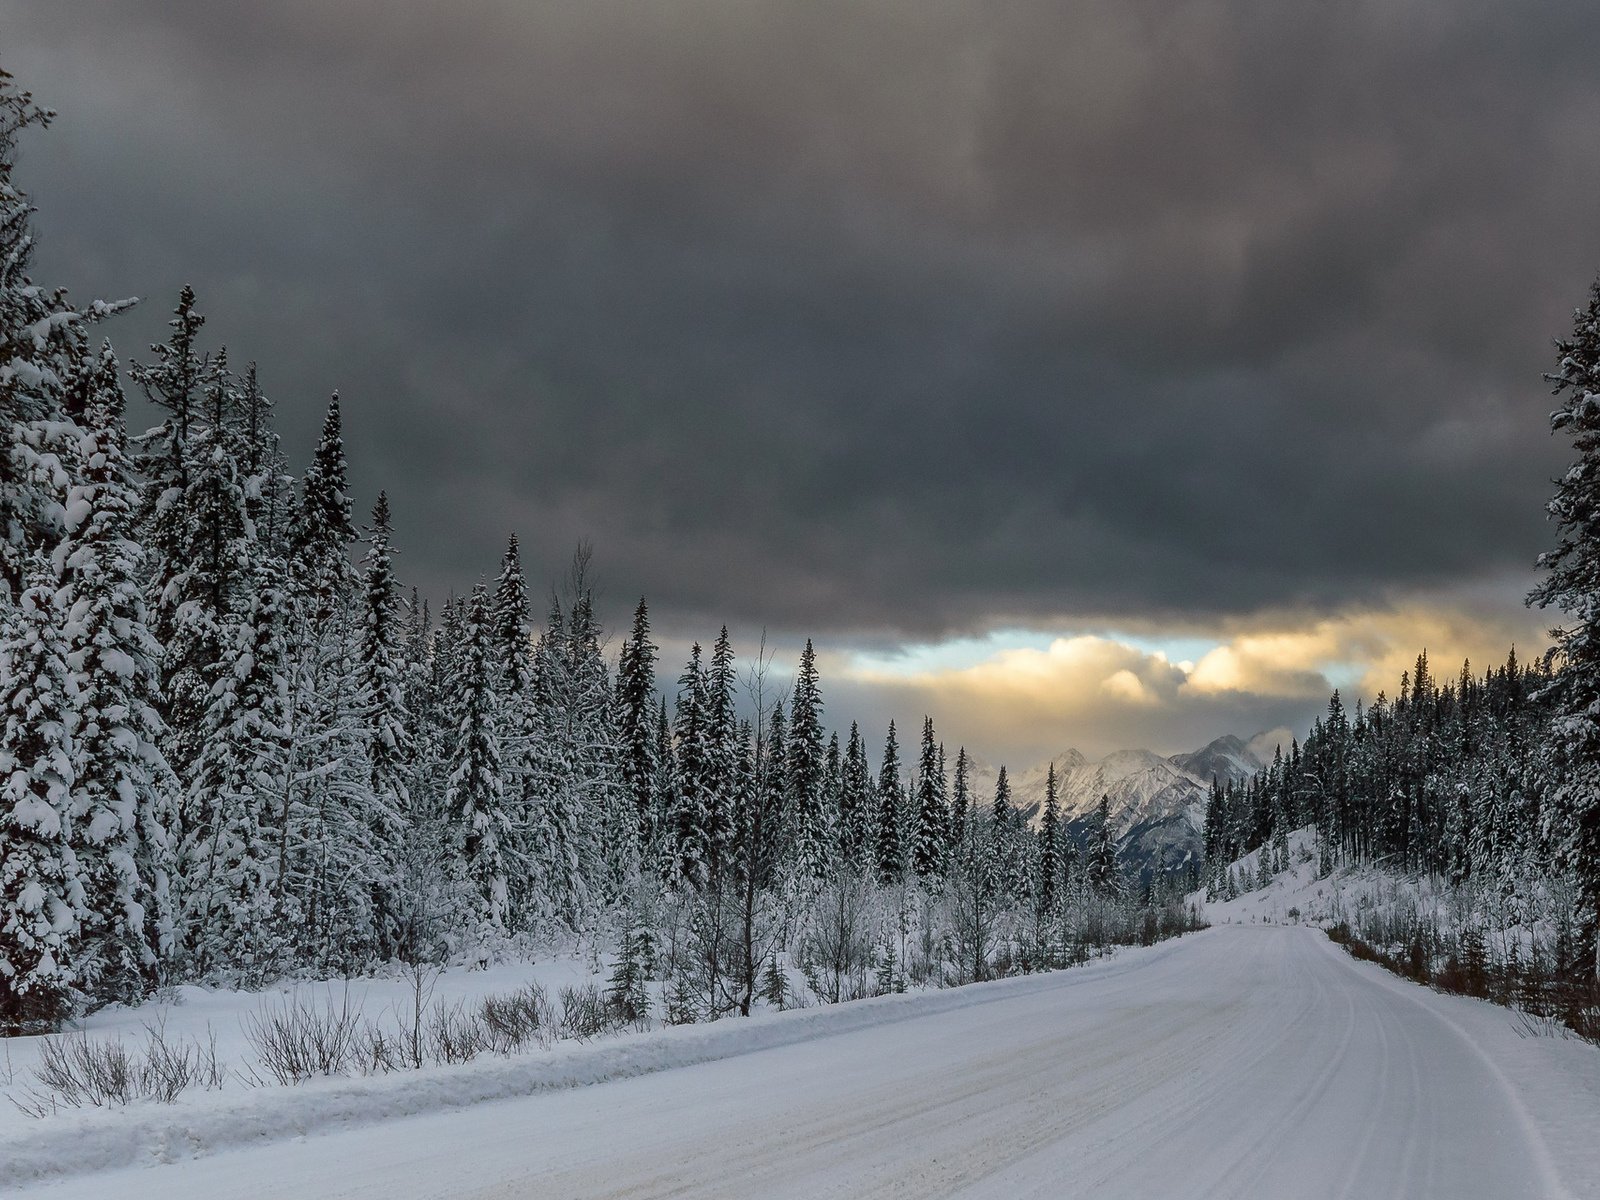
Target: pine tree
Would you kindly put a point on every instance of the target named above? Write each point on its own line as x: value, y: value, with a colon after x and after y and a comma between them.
x: 961, y: 802
x: 187, y: 602
x: 663, y: 790
x: 512, y: 647
x: 1572, y: 586
x: 810, y: 815
x: 722, y: 756
x: 691, y: 799
x: 42, y: 347
x: 385, y: 717
x: 590, y: 846
x: 341, y: 841
x: 930, y: 821
x: 1100, y: 862
x: 637, y: 720
x: 627, y: 990
x: 1002, y: 799
x: 236, y: 914
x: 126, y: 794
x: 857, y: 803
x: 475, y: 795
x: 1047, y: 890
x: 42, y: 901
x: 891, y: 816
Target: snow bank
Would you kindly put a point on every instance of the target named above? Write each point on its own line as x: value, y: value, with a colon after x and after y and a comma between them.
x: 201, y: 1123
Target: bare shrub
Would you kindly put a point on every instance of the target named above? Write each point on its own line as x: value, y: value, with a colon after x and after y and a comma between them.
x: 518, y: 1019
x: 378, y: 1052
x: 299, y: 1039
x: 585, y: 1013
x: 455, y: 1035
x: 75, y: 1071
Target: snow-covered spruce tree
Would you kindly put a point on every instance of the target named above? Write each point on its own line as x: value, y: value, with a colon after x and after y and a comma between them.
x: 269, y: 489
x: 663, y: 790
x: 961, y: 801
x: 1572, y: 586
x: 832, y: 789
x: 723, y: 748
x: 42, y: 348
x: 41, y: 893
x: 186, y: 603
x: 510, y: 613
x: 636, y: 721
x: 341, y: 843
x: 589, y: 838
x: 812, y: 818
x: 857, y: 804
x: 688, y: 852
x: 929, y: 820
x: 236, y: 914
x: 382, y: 688
x: 126, y: 794
x: 891, y: 806
x: 1047, y: 890
x: 1100, y: 856
x: 475, y: 796
x: 519, y: 736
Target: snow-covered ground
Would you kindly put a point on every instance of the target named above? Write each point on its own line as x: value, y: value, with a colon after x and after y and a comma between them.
x: 1253, y: 1060
x: 1294, y: 896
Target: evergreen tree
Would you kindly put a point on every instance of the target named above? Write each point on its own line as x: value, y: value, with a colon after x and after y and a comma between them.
x: 1050, y: 866
x: 236, y: 913
x: 42, y: 900
x: 1100, y: 861
x: 1002, y: 800
x: 930, y: 819
x: 475, y: 795
x: 512, y: 647
x: 891, y: 816
x: 125, y: 797
x: 722, y: 756
x: 857, y: 803
x: 637, y: 720
x: 811, y: 816
x: 961, y: 802
x: 385, y: 717
x: 691, y: 798
x: 1572, y: 586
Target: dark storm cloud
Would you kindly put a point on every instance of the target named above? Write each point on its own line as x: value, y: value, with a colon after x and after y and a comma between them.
x: 868, y: 318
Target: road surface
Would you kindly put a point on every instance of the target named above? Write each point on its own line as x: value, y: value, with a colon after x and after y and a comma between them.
x: 1237, y: 1062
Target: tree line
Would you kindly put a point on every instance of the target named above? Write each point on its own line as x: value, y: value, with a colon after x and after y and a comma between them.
x: 234, y: 746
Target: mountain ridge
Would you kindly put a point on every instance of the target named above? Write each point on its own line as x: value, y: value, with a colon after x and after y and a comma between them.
x: 1157, y: 802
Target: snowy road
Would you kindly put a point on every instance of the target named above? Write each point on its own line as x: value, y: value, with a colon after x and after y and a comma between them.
x: 1237, y: 1062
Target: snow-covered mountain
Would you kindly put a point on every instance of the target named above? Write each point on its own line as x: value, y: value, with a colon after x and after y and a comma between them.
x: 1158, y: 803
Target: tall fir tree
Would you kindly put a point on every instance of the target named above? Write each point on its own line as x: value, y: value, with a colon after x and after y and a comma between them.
x: 390, y: 753
x: 891, y: 811
x: 126, y: 793
x: 857, y: 803
x: 1571, y: 585
x: 930, y: 822
x: 42, y: 900
x: 1047, y: 891
x: 636, y: 719
x: 810, y: 815
x: 475, y: 796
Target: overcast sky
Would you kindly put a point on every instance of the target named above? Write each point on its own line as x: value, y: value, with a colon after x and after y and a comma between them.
x: 1087, y: 374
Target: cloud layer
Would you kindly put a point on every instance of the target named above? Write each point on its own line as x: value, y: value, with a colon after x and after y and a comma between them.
x: 1101, y: 692
x: 879, y: 320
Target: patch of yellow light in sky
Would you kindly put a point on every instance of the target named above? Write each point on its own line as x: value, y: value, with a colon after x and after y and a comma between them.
x: 1289, y: 658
